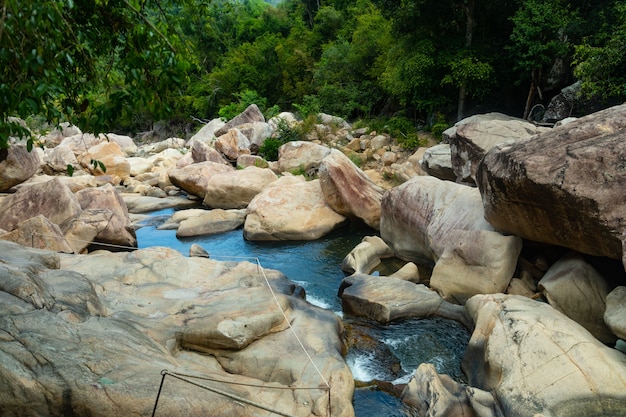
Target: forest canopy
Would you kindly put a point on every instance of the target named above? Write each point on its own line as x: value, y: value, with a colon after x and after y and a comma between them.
x: 121, y: 65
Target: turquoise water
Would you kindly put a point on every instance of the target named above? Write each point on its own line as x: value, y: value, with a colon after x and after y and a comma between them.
x: 393, y: 352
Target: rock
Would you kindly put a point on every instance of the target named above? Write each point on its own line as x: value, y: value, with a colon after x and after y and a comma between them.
x: 348, y: 190
x: 537, y: 361
x: 81, y: 230
x: 475, y: 262
x: 143, y: 204
x: 301, y: 156
x: 57, y: 134
x: 615, y: 313
x: 561, y: 105
x: 249, y: 115
x: 380, y: 142
x: 565, y: 187
x: 331, y: 120
x: 81, y: 142
x: 170, y: 144
x: 211, y: 222
x: 181, y: 215
x: 386, y: 299
x: 431, y: 394
x: 111, y: 156
x: 437, y: 162
x: 577, y: 289
x: 474, y: 139
x: 201, y: 152
x: 57, y: 159
x: 39, y: 232
x: 207, y: 133
x: 235, y: 189
x: 139, y: 165
x: 195, y: 177
x: 290, y: 208
x: 233, y: 144
x: 417, y: 216
x: 245, y: 161
x: 409, y: 272
x: 126, y: 143
x: 17, y: 165
x: 53, y: 199
x: 236, y: 327
x: 198, y: 251
x: 118, y: 231
x: 366, y: 256
x: 289, y: 118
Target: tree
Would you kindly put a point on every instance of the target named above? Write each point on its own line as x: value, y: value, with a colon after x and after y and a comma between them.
x: 89, y: 62
x: 600, y: 60
x: 540, y: 35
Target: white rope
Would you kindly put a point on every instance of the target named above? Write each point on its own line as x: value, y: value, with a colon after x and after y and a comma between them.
x: 289, y: 323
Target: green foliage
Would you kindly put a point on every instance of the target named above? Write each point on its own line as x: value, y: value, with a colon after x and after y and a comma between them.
x: 269, y: 149
x: 476, y: 75
x: 404, y: 132
x: 310, y: 106
x: 439, y: 126
x: 245, y: 99
x: 93, y: 64
x: 600, y: 61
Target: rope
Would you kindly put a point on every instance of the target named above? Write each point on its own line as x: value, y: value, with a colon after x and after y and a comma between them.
x: 217, y: 391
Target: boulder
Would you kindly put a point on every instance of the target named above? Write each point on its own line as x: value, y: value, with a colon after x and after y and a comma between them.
x: 206, y: 134
x: 290, y: 208
x: 437, y: 161
x: 537, y: 361
x: 474, y: 139
x: 301, y: 156
x: 211, y: 222
x: 39, y: 232
x: 195, y: 177
x: 578, y: 290
x: 17, y: 165
x: 233, y: 144
x: 81, y: 230
x: 130, y: 313
x: 348, y: 190
x: 57, y: 160
x: 432, y: 394
x: 249, y: 115
x: 366, y: 256
x: 477, y: 262
x: 201, y: 152
x: 385, y: 299
x: 139, y: 165
x: 564, y: 187
x: 52, y: 198
x: 144, y: 204
x: 615, y: 313
x: 245, y: 161
x: 235, y: 189
x: 181, y: 215
x: 111, y: 156
x: 118, y: 231
x: 287, y: 117
x: 162, y: 146
x: 126, y: 143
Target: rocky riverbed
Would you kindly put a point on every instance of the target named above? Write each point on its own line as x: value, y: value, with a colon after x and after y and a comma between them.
x: 522, y: 227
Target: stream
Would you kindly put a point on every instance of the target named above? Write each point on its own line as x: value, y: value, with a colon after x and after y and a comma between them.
x: 382, y: 354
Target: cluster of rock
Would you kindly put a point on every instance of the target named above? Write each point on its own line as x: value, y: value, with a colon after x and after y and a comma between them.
x: 523, y: 227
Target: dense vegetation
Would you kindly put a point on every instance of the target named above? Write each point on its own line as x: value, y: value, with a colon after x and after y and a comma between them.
x: 122, y: 64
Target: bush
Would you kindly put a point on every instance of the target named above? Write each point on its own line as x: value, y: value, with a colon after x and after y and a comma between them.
x: 439, y: 126
x: 269, y: 149
x: 245, y: 98
x: 404, y: 132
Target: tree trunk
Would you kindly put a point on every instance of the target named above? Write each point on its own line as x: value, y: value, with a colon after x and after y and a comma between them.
x: 534, y: 83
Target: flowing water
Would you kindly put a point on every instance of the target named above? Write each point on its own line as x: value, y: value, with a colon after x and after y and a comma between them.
x: 391, y: 353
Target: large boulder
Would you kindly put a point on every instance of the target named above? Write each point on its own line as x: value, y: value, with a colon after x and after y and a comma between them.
x: 578, y: 290
x: 564, y: 187
x: 39, y: 232
x: 301, y: 156
x: 290, y: 208
x: 17, y: 165
x: 235, y: 189
x: 386, y: 299
x: 250, y: 115
x: 537, y: 361
x: 233, y: 144
x: 106, y: 325
x: 211, y: 222
x: 106, y: 157
x: 437, y: 161
x: 348, y: 190
x: 119, y: 230
x: 195, y: 177
x: 615, y: 313
x: 207, y: 133
x: 441, y: 223
x: 474, y: 139
x: 54, y: 199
